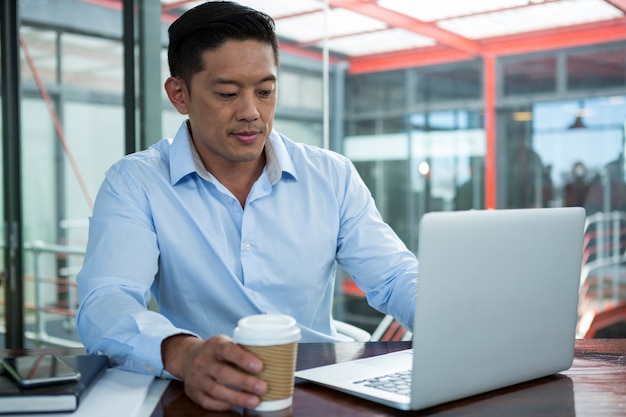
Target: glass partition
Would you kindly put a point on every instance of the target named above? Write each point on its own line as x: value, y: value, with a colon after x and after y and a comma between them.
x: 72, y: 130
x: 415, y: 132
x: 581, y: 146
x: 2, y: 238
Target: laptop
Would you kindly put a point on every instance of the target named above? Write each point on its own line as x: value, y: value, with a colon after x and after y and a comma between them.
x: 496, y: 305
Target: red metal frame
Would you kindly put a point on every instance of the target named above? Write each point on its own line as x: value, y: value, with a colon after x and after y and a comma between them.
x: 454, y: 48
x: 490, y: 130
x: 539, y: 41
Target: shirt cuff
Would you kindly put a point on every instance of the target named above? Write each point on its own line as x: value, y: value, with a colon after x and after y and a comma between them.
x: 167, y: 375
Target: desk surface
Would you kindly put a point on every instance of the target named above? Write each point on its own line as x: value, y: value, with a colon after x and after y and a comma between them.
x: 594, y: 386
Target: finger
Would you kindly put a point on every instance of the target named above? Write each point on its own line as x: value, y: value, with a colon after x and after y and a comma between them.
x: 235, y: 354
x: 221, y: 350
x: 224, y: 373
x: 216, y: 396
x: 218, y: 376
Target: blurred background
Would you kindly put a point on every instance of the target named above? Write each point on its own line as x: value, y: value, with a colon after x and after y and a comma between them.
x: 446, y: 105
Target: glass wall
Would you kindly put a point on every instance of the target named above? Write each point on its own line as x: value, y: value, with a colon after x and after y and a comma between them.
x: 569, y: 154
x: 560, y: 141
x: 417, y: 136
x: 72, y: 129
x: 3, y: 324
x: 552, y: 120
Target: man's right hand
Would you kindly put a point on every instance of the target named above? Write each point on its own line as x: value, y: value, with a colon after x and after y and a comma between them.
x: 217, y: 373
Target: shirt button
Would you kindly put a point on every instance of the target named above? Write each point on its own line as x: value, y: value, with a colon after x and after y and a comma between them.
x: 149, y: 368
x: 247, y: 246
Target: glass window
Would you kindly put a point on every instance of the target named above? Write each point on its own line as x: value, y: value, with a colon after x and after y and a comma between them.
x: 388, y: 180
x: 461, y: 81
x: 526, y: 180
x: 376, y: 92
x: 2, y: 237
x: 72, y: 86
x: 425, y: 170
x: 40, y: 183
x: 95, y: 136
x: 585, y: 160
x: 597, y: 69
x: 529, y: 76
x: 92, y: 62
x: 170, y: 121
x: 446, y: 120
x: 368, y: 126
x: 447, y: 168
x: 394, y: 124
x: 299, y: 131
x: 298, y: 90
x: 39, y: 51
x: 416, y: 135
x: 569, y: 153
x: 361, y: 127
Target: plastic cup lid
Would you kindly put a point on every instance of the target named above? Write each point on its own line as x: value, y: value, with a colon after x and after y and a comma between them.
x: 266, y: 330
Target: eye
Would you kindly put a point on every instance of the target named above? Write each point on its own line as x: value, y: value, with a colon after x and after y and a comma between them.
x: 227, y: 95
x: 266, y: 93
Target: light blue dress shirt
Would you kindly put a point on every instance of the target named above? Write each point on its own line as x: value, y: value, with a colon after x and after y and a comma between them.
x: 163, y: 225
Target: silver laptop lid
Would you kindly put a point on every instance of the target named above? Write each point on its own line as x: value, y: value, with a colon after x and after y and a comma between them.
x: 497, y: 299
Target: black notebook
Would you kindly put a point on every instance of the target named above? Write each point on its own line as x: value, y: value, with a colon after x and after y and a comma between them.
x: 62, y: 397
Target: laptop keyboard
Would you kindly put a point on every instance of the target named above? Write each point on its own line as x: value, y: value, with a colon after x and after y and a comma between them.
x: 398, y: 382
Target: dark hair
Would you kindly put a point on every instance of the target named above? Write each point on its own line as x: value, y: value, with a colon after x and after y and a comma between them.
x: 207, y: 27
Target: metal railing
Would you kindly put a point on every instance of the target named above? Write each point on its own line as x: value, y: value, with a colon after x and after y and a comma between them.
x: 62, y: 280
x: 604, y: 256
x: 603, y: 273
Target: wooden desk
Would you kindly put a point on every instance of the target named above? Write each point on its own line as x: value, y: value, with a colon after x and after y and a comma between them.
x: 594, y: 386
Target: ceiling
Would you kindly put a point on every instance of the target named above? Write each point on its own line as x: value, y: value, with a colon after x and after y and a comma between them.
x: 376, y: 35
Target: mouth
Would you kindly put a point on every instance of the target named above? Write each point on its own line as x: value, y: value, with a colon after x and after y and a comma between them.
x: 246, y: 136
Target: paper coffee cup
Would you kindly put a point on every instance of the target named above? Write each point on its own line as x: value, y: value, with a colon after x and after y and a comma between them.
x: 273, y: 338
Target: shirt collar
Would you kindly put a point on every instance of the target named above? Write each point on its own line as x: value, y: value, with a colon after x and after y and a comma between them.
x: 181, y: 156
x: 278, y: 161
x: 184, y: 158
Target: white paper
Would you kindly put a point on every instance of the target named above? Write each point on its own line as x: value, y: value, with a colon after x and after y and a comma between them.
x: 116, y: 393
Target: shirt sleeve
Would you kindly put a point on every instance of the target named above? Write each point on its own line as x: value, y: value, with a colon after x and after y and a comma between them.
x: 114, y: 284
x: 371, y: 252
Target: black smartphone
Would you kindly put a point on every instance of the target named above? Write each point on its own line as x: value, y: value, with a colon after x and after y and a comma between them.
x: 33, y: 371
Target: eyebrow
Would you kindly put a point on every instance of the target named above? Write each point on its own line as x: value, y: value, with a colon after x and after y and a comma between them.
x: 225, y: 81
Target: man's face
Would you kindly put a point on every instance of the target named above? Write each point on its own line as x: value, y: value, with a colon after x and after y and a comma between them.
x: 231, y: 103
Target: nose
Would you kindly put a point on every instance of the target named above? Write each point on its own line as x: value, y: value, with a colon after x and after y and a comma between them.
x: 247, y: 109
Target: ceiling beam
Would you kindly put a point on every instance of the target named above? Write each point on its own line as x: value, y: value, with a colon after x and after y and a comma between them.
x: 397, y: 20
x: 539, y: 41
x: 451, y: 47
x: 620, y: 4
x: 406, y: 59
x: 571, y: 37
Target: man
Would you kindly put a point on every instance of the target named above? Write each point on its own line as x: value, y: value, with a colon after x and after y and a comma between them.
x: 228, y: 219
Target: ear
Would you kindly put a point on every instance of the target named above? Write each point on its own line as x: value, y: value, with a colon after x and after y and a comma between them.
x: 177, y: 93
